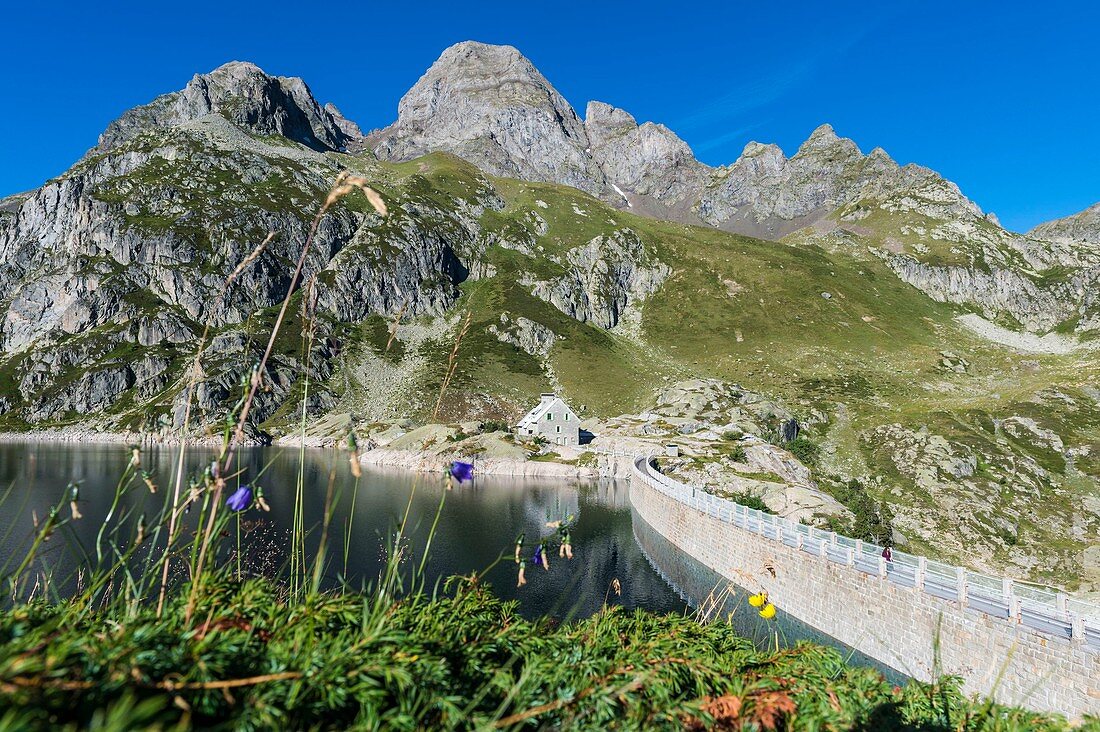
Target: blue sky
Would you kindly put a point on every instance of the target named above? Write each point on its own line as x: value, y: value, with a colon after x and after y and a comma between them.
x: 1001, y: 98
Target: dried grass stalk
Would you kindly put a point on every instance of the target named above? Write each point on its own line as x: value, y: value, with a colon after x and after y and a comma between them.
x: 396, y: 323
x: 452, y: 365
x: 249, y: 259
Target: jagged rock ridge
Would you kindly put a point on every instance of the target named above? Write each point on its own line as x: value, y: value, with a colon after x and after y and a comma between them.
x: 488, y: 104
x: 1080, y: 228
x: 246, y: 96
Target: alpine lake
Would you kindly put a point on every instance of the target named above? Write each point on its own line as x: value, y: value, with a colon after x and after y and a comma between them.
x: 461, y: 529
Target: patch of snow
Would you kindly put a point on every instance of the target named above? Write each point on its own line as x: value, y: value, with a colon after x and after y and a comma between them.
x: 620, y: 192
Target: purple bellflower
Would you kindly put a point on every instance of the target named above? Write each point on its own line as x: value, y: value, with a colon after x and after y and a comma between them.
x: 240, y: 499
x: 462, y: 472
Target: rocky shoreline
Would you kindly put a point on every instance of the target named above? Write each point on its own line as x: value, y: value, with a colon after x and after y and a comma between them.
x: 420, y: 461
x: 129, y: 438
x: 429, y: 462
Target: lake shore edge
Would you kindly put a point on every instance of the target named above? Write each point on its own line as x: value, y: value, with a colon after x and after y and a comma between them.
x: 413, y: 460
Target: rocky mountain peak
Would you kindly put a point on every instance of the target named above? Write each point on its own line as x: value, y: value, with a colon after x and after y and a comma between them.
x: 1080, y: 228
x: 602, y: 121
x: 245, y: 95
x: 490, y: 105
x: 822, y: 136
x: 824, y: 140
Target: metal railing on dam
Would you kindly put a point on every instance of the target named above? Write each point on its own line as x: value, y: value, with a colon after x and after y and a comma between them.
x: 1033, y: 606
x: 891, y: 610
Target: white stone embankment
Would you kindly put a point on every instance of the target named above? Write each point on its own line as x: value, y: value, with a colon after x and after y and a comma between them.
x: 96, y: 436
x: 426, y: 461
x: 906, y: 629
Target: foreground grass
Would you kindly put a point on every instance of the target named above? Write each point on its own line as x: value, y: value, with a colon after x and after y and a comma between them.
x: 251, y: 659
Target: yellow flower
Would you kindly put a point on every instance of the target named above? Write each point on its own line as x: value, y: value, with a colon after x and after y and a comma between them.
x: 758, y: 600
x: 768, y: 611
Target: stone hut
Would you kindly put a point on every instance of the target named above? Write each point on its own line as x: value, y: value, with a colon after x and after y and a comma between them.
x: 553, y: 420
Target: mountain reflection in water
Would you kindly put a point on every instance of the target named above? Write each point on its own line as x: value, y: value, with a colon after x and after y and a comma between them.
x: 476, y: 532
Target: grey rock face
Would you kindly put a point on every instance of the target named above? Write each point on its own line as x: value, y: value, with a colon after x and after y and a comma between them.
x: 605, y: 276
x: 92, y: 392
x: 1080, y: 228
x: 1038, y: 308
x: 788, y: 430
x: 525, y: 334
x: 245, y: 95
x: 649, y: 160
x: 726, y: 406
x: 489, y: 105
x: 604, y: 123
x: 345, y: 125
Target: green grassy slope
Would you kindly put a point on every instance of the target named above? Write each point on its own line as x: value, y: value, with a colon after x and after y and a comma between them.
x: 753, y: 312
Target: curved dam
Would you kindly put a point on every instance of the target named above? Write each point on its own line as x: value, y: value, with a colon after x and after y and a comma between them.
x: 1017, y: 643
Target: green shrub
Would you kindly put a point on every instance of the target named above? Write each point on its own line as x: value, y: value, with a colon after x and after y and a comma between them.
x: 872, y: 520
x: 751, y: 500
x: 806, y: 450
x: 737, y: 454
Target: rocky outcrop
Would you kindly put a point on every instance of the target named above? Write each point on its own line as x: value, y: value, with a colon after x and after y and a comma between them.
x: 525, y: 334
x: 1038, y: 306
x: 647, y: 160
x: 245, y: 95
x: 724, y: 406
x: 979, y: 498
x: 1028, y: 430
x: 605, y: 277
x: 1079, y: 229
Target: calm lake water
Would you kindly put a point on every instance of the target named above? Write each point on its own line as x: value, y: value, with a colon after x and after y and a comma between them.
x: 476, y: 532
x: 478, y: 524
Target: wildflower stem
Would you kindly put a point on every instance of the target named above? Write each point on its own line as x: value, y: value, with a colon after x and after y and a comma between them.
x: 179, y: 471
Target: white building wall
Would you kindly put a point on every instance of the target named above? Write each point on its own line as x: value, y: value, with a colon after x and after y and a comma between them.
x: 558, y: 425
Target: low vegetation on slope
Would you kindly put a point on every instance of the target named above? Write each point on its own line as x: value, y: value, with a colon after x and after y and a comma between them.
x: 252, y: 658
x: 157, y: 632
